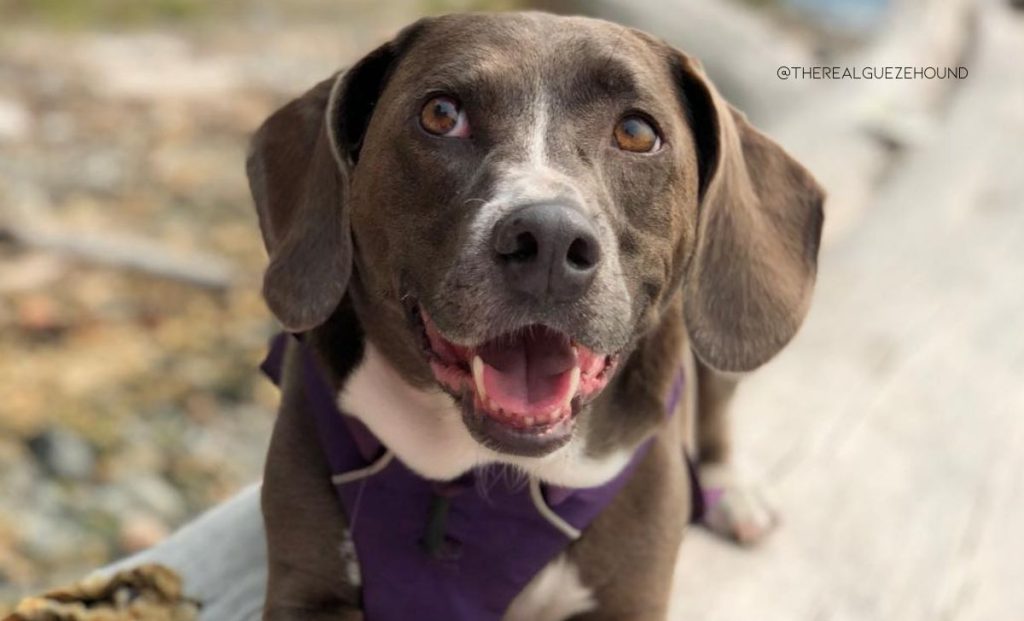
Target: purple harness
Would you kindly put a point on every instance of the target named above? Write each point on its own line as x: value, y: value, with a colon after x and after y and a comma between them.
x: 459, y: 550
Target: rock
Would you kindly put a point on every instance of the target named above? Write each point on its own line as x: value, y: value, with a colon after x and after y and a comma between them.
x: 103, y: 170
x: 139, y: 531
x: 155, y: 66
x: 57, y: 128
x: 49, y: 540
x: 155, y: 493
x: 64, y: 454
x: 39, y: 314
x: 15, y: 121
x: 30, y: 271
x: 19, y: 475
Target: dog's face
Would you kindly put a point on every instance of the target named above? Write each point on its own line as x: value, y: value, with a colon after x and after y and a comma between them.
x: 517, y: 197
x: 547, y: 194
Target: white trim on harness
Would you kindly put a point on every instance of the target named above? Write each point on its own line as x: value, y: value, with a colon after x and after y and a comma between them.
x: 362, y: 473
x: 548, y: 514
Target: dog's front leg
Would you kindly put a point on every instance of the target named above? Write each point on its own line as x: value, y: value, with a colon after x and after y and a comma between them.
x: 309, y: 576
x: 295, y: 595
x: 307, y: 614
x: 732, y: 509
x: 627, y: 557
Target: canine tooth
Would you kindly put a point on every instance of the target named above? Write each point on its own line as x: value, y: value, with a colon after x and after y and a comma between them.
x: 478, y: 378
x: 574, y: 382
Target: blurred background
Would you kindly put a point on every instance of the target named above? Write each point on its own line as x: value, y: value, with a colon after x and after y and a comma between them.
x: 890, y: 435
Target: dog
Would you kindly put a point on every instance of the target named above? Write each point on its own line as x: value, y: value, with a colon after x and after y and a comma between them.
x: 521, y: 255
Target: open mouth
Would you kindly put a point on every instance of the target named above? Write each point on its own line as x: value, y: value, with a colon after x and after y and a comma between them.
x: 520, y: 391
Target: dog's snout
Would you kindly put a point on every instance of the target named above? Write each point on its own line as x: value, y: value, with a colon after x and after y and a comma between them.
x: 547, y: 251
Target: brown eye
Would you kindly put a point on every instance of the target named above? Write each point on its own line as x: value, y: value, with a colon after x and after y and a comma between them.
x: 443, y: 116
x: 635, y: 134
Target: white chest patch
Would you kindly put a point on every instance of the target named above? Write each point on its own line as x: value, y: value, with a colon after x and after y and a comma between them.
x: 425, y: 431
x: 555, y: 594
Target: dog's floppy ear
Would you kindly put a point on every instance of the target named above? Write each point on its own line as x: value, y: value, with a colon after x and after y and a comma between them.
x: 298, y: 167
x: 749, y: 281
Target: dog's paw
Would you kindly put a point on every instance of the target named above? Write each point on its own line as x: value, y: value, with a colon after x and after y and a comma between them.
x: 735, y: 511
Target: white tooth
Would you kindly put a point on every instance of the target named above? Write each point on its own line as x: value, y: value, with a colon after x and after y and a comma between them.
x: 478, y: 378
x: 574, y: 383
x: 528, y: 421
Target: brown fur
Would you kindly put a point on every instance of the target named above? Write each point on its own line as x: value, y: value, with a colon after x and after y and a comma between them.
x: 717, y: 236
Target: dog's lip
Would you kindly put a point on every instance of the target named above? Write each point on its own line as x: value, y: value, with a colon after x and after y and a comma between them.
x: 535, y: 441
x: 575, y: 375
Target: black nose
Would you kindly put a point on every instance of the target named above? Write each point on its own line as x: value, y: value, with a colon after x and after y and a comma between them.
x: 547, y: 251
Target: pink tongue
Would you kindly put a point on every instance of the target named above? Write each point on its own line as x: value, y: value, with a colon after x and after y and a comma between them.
x: 529, y: 374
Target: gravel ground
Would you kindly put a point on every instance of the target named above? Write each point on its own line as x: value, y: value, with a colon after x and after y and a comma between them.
x: 130, y: 400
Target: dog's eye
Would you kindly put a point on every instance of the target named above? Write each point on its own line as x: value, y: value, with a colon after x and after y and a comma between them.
x: 443, y: 116
x: 633, y: 133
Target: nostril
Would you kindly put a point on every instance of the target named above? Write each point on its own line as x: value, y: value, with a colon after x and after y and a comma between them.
x: 518, y: 247
x: 524, y: 249
x: 582, y: 254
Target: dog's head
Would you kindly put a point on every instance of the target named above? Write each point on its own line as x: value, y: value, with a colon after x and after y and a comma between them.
x: 512, y: 200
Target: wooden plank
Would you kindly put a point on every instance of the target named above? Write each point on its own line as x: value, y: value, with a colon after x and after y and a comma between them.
x: 890, y: 434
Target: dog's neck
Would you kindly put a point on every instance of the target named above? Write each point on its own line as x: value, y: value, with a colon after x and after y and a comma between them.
x: 424, y: 428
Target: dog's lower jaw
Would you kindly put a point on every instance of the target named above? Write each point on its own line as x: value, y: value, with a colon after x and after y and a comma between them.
x: 425, y: 430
